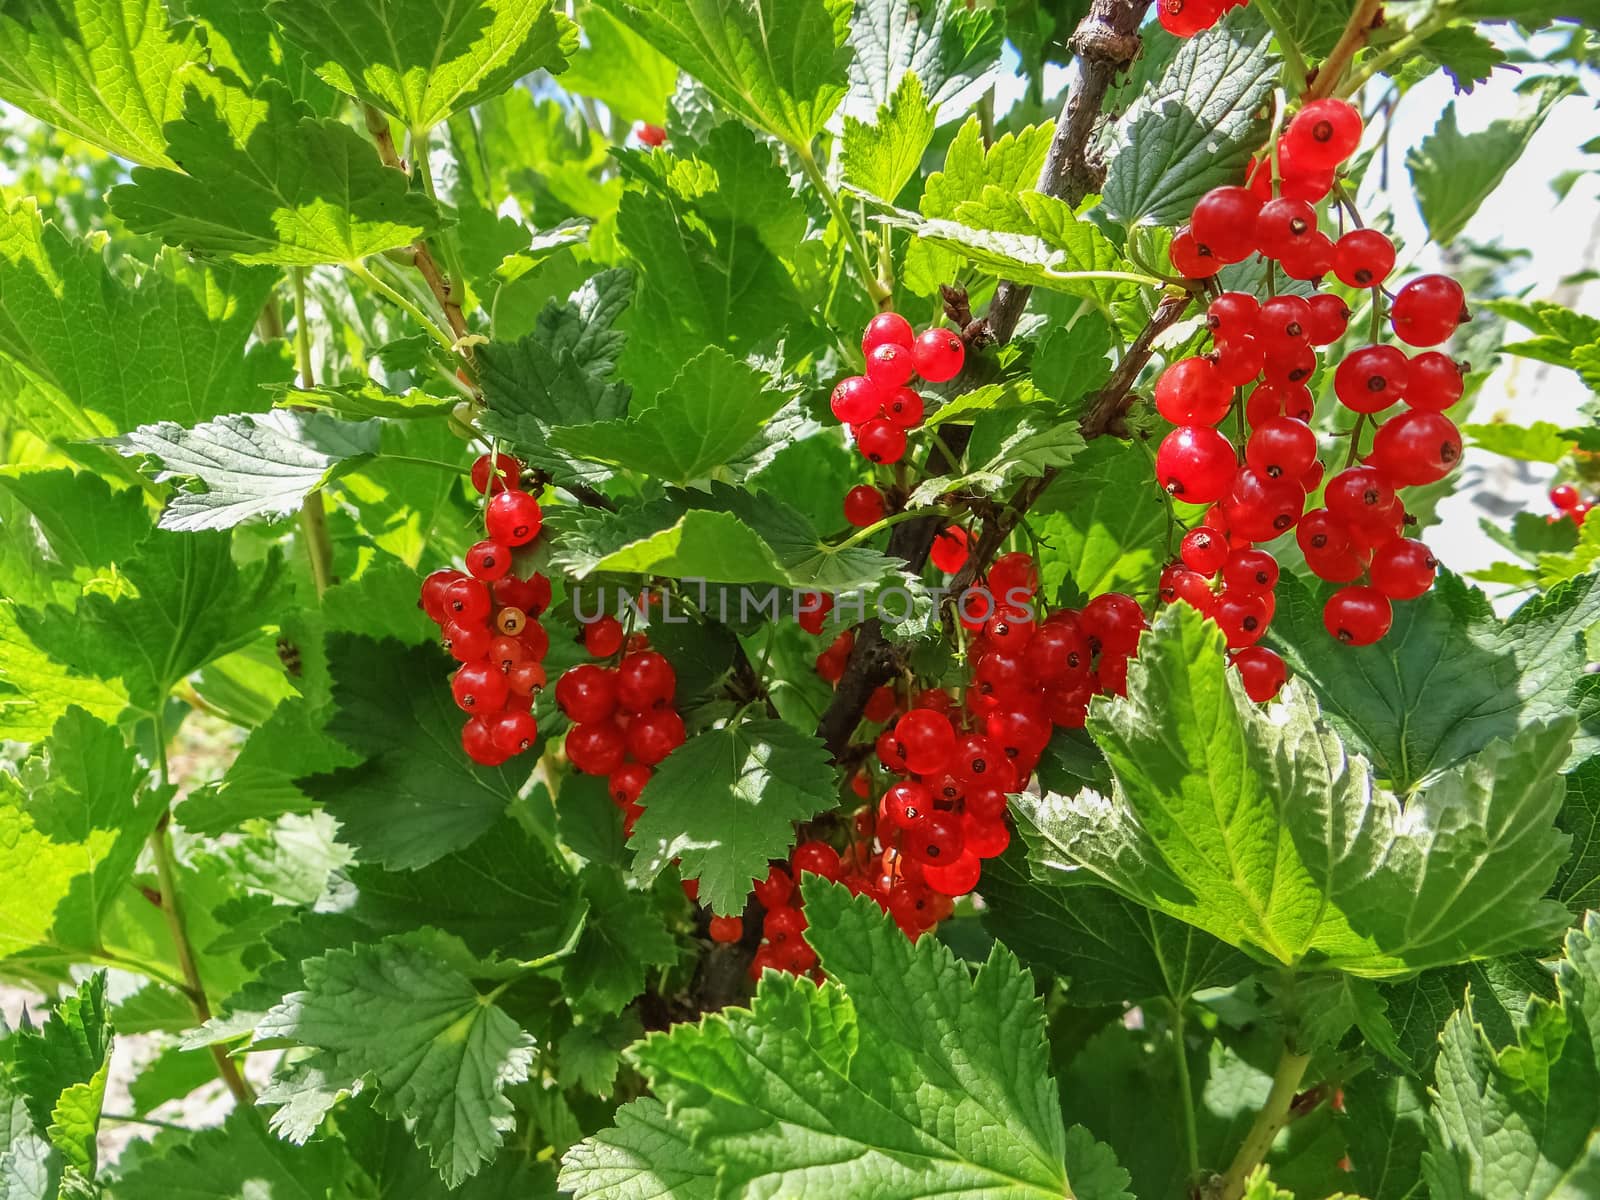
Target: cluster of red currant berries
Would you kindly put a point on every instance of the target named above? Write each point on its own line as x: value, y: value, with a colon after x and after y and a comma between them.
x: 624, y: 717
x: 1185, y: 18
x: 880, y: 407
x: 489, y: 618
x: 1569, y: 502
x: 783, y: 924
x: 1260, y: 490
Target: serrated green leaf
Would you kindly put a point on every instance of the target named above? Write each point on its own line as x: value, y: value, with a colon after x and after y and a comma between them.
x: 1494, y: 1130
x: 645, y: 1155
x: 1578, y: 884
x: 237, y: 1160
x: 359, y: 401
x: 440, y: 1053
x: 422, y: 61
x: 590, y: 1053
x: 28, y: 1167
x: 417, y: 797
x: 1012, y: 164
x: 60, y: 1069
x: 1305, y: 864
x: 725, y: 802
x: 623, y: 938
x: 697, y: 423
x: 882, y: 156
x: 1193, y: 128
x: 39, y: 690
x: 1421, y: 1006
x: 112, y: 72
x: 172, y: 1075
x: 952, y: 50
x: 779, y: 64
x: 264, y: 181
x: 1466, y: 55
x: 1448, y: 678
x: 1540, y: 441
x: 1104, y: 526
x: 1007, y: 446
x: 248, y: 465
x: 800, y: 1092
x: 619, y: 68
x: 1453, y: 173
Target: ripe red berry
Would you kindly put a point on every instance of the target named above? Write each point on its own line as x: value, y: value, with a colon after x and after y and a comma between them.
x: 889, y: 366
x: 863, y: 506
x: 1283, y: 323
x: 488, y: 560
x: 934, y: 840
x: 1185, y: 18
x: 1329, y: 551
x: 626, y: 783
x: 587, y: 693
x: 819, y: 858
x: 1196, y: 464
x: 1261, y: 671
x: 1178, y: 582
x: 1282, y: 224
x: 887, y: 329
x: 1243, y: 619
x: 1372, y: 378
x: 783, y: 923
x: 1565, y: 497
x: 433, y: 599
x: 1250, y: 572
x: 1012, y: 575
x: 1191, y: 259
x: 984, y: 837
x: 507, y: 470
x: 596, y: 747
x: 1239, y: 362
x: 1428, y: 310
x: 479, y: 687
x: 1114, y: 621
x: 477, y: 739
x: 1578, y: 512
x: 928, y: 742
x: 1416, y: 447
x: 939, y: 354
x: 466, y: 601
x: 655, y: 735
x: 1309, y: 258
x: 726, y: 930
x: 1190, y: 392
x: 1434, y: 381
x: 949, y: 551
x: 1324, y: 133
x: 467, y: 642
x: 1258, y: 507
x: 1059, y: 653
x: 513, y: 518
x: 1224, y: 219
x: 775, y: 890
x: 1363, y: 258
x: 813, y: 614
x: 856, y: 399
x: 881, y: 441
x: 904, y: 408
x: 1403, y: 569
x: 1271, y: 400
x: 907, y: 803
x: 645, y: 680
x: 648, y: 134
x: 962, y: 875
x: 1232, y: 316
x: 513, y: 732
x: 1281, y: 447
x: 602, y: 637
x: 1290, y: 366
x: 1359, y: 496
x: 1358, y: 616
x: 1330, y: 317
x: 1204, y: 550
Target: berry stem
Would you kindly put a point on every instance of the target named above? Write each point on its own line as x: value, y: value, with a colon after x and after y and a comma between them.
x: 880, y: 294
x: 1401, y: 48
x: 1355, y: 441
x: 910, y: 514
x: 313, y: 515
x: 447, y: 236
x: 1274, y: 1115
x: 1351, y: 40
x: 401, y: 301
x: 1191, y: 1133
x: 1293, y: 60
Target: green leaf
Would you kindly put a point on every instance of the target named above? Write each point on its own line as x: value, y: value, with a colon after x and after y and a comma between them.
x: 1011, y: 164
x: 725, y: 802
x: 38, y: 690
x: 264, y: 181
x: 60, y: 1068
x: 358, y: 401
x: 248, y: 465
x: 590, y: 1053
x: 172, y: 1075
x: 951, y: 49
x: 1522, y: 1120
x: 112, y: 72
x: 440, y: 1053
x: 237, y: 1160
x: 1007, y: 446
x: 617, y: 67
x: 1454, y: 173
x: 1106, y: 949
x: 779, y: 64
x: 1578, y: 884
x: 623, y: 938
x: 1305, y: 864
x: 29, y: 1168
x: 1384, y: 1121
x: 645, y: 1155
x: 697, y: 423
x: 1194, y: 127
x: 1540, y: 441
x: 422, y: 61
x: 1420, y: 1007
x: 1448, y: 678
x: 882, y: 157
x: 417, y: 797
x: 801, y: 1092
x: 1104, y: 524
x: 73, y: 821
x: 1466, y: 55
x: 171, y: 347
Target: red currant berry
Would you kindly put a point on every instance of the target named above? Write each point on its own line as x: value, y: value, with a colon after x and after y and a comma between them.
x: 645, y: 680
x: 881, y: 441
x: 726, y: 930
x: 507, y: 470
x: 962, y: 875
x: 1261, y: 671
x: 1358, y: 616
x: 655, y: 735
x: 1363, y: 258
x: 889, y: 366
x: 1059, y: 653
x: 1283, y: 323
x: 1250, y: 572
x: 1232, y: 316
x: 596, y: 747
x: 1185, y: 18
x: 949, y: 551
x: 1282, y: 224
x: 587, y: 693
x: 1271, y: 400
x: 477, y: 739
x: 985, y: 838
x: 1281, y: 447
x: 1428, y: 310
x: 1434, y: 381
x: 1416, y: 447
x: 648, y: 134
x: 1328, y: 548
x: 434, y: 588
x: 1242, y: 619
x: 602, y: 637
x: 819, y: 858
x: 1192, y: 260
x: 774, y: 891
x: 1014, y: 575
x: 939, y: 354
x: 1578, y: 512
x: 1113, y: 622
x: 934, y: 840
x: 467, y: 642
x: 863, y: 506
x: 1324, y: 133
x: 906, y: 804
x: 1224, y: 219
x: 479, y: 687
x: 1204, y: 550
x: 814, y: 613
x: 1259, y: 508
x: 887, y: 329
x: 488, y: 561
x: 1330, y: 317
x: 1372, y: 378
x: 1190, y: 392
x: 626, y: 783
x: 513, y: 518
x: 904, y: 408
x: 1403, y: 569
x: 1359, y: 496
x: 1196, y: 464
x: 927, y: 739
x: 1565, y: 497
x: 1239, y: 362
x: 513, y: 732
x: 856, y: 399
x: 1178, y: 582
x: 1309, y: 258
x: 1290, y: 366
x: 783, y: 924
x: 466, y: 601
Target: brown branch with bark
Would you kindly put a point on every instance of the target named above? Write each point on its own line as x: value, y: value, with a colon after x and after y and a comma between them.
x: 1105, y: 42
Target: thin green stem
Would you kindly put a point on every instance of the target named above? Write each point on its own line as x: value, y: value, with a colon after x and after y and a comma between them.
x: 1355, y: 441
x: 910, y: 514
x: 313, y: 515
x: 1294, y: 62
x: 858, y: 250
x: 446, y: 236
x: 400, y: 300
x: 1402, y: 47
x: 452, y: 468
x: 130, y: 1119
x: 1191, y: 1133
x: 1274, y: 1115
